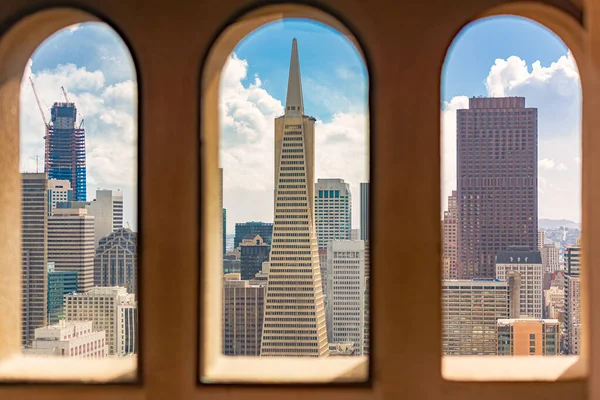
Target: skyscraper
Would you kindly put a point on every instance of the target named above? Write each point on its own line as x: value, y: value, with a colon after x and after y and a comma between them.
x: 449, y: 242
x: 346, y: 293
x: 364, y: 211
x: 34, y: 250
x: 71, y: 244
x: 294, y: 323
x: 65, y: 149
x: 115, y: 261
x: 496, y: 181
x: 333, y: 211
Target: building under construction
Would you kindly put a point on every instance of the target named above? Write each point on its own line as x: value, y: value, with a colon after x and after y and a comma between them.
x: 65, y: 149
x: 65, y: 145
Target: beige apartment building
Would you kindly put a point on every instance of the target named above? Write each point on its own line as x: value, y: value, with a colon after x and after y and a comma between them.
x: 528, y: 264
x: 528, y: 337
x: 294, y: 324
x: 243, y: 314
x: 107, y: 308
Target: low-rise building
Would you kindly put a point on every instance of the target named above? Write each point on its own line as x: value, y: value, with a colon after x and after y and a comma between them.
x: 69, y: 339
x: 528, y: 337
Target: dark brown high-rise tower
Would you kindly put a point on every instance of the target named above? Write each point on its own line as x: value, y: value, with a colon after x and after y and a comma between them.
x: 496, y: 181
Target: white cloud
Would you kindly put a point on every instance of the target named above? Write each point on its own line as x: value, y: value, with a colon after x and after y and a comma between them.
x: 448, y: 163
x: 546, y: 163
x: 247, y: 114
x: 74, y: 28
x: 556, y: 92
x: 110, y: 122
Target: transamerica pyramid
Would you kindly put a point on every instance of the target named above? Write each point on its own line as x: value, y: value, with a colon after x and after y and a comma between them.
x: 294, y: 324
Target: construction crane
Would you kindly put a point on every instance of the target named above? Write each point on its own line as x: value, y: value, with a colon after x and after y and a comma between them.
x: 81, y: 123
x: 37, y: 99
x: 65, y: 94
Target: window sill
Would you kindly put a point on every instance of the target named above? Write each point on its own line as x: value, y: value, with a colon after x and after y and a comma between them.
x: 518, y: 368
x: 283, y: 370
x: 22, y: 368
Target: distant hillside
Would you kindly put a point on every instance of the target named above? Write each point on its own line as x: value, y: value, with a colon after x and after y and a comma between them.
x: 557, y: 223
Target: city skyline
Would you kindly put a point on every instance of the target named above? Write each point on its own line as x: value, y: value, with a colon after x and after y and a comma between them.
x: 511, y: 56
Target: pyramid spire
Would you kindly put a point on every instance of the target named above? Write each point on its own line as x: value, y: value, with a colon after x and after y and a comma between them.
x: 294, y: 105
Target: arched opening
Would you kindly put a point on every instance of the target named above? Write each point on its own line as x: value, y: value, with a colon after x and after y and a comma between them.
x: 292, y: 152
x: 70, y: 160
x: 511, y: 192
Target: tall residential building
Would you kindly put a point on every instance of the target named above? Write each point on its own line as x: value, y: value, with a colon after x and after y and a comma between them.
x: 346, y: 293
x: 59, y: 191
x: 572, y: 289
x: 333, y: 210
x: 65, y: 157
x: 541, y: 238
x: 115, y: 261
x: 264, y: 229
x: 294, y: 324
x: 449, y: 242
x: 528, y: 337
x: 34, y: 253
x: 496, y: 181
x: 69, y: 339
x: 243, y: 314
x: 364, y: 211
x: 573, y: 260
x: 488, y: 300
x: 60, y: 283
x: 106, y: 208
x: 550, y: 258
x: 71, y: 244
x: 106, y: 307
x: 254, y: 251
x: 528, y: 264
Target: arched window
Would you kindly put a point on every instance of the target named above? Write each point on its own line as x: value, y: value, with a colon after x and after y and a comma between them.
x: 72, y: 149
x: 511, y: 193
x: 293, y: 139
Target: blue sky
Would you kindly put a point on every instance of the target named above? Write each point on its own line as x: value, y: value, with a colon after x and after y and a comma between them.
x: 476, y: 48
x: 495, y: 56
x: 329, y: 62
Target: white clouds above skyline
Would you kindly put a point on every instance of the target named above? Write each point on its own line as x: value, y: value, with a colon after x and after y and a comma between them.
x: 247, y: 147
x: 110, y: 122
x: 556, y: 92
